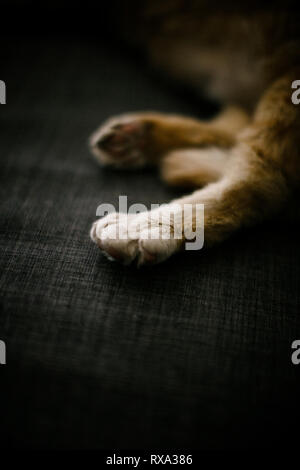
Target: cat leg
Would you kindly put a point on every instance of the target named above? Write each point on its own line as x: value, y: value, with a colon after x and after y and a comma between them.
x: 135, y: 139
x: 263, y: 166
x: 194, y: 167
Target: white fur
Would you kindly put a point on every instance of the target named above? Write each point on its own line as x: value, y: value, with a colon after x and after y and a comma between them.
x: 147, y: 237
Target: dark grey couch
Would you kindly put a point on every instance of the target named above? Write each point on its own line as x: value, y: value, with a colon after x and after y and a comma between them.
x: 194, y: 353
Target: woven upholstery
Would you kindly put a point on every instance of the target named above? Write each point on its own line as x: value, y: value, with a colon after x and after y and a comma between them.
x: 195, y: 352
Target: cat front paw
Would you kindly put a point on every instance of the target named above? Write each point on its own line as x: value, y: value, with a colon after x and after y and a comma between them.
x: 145, y: 239
x: 122, y: 141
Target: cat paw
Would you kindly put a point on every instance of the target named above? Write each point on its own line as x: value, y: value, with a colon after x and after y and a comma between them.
x: 121, y: 141
x: 147, y: 238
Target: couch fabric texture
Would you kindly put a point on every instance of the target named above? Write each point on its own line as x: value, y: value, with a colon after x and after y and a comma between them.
x: 193, y: 353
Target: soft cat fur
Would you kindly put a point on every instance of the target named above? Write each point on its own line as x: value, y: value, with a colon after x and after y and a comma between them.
x: 246, y: 160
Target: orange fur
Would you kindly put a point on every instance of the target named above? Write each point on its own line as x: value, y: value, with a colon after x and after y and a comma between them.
x: 247, y: 159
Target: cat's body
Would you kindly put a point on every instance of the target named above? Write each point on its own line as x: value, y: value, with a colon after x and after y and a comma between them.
x: 247, y: 159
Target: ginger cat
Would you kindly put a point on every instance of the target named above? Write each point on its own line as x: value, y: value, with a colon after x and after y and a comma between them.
x: 244, y: 163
